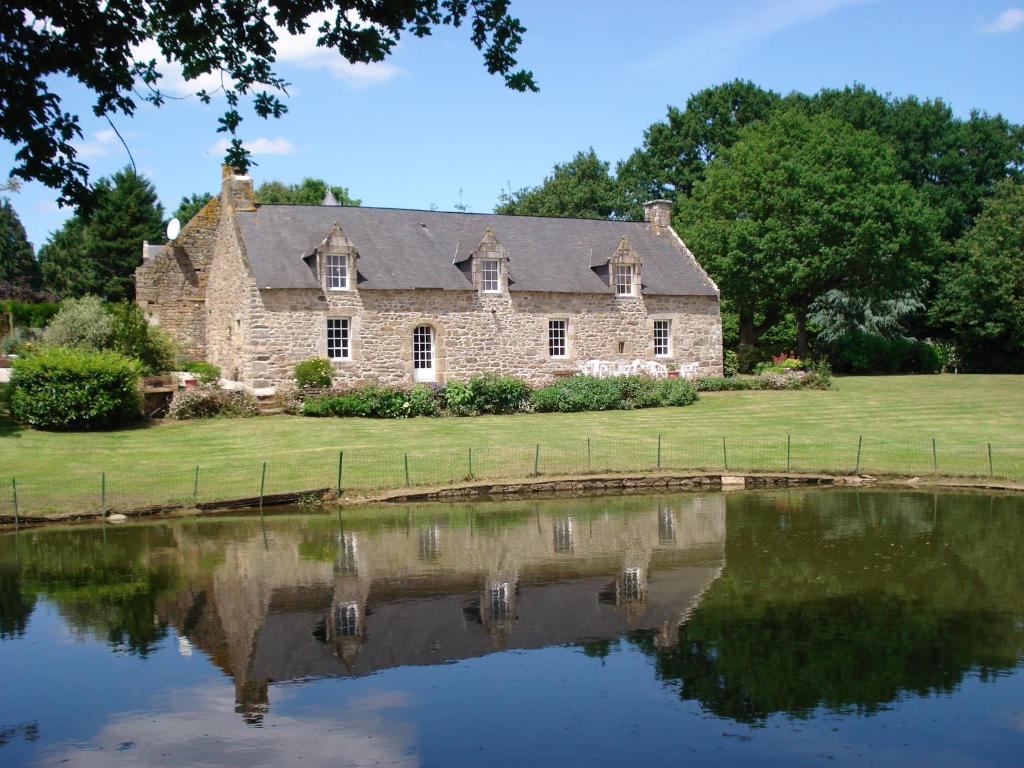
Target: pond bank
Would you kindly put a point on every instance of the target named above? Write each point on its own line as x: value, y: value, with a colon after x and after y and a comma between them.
x: 575, y: 485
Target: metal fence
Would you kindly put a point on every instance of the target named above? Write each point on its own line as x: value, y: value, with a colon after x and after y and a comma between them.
x: 364, y: 470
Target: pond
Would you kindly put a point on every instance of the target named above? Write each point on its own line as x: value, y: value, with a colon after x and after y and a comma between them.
x: 771, y: 628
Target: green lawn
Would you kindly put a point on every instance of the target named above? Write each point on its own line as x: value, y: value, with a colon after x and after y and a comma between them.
x: 897, y: 416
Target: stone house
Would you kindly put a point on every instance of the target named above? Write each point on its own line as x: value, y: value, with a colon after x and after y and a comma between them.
x: 397, y: 296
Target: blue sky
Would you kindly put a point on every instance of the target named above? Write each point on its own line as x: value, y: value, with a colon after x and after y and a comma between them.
x: 429, y: 122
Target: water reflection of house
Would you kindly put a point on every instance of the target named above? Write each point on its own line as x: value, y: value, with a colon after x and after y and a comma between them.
x: 398, y: 597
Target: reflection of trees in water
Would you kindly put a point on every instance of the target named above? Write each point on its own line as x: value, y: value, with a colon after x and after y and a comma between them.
x: 103, y: 582
x: 15, y: 604
x: 910, y: 597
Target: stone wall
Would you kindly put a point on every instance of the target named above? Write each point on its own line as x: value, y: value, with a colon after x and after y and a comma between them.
x: 171, y: 287
x: 474, y: 333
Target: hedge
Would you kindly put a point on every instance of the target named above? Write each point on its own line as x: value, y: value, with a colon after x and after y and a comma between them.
x: 60, y: 388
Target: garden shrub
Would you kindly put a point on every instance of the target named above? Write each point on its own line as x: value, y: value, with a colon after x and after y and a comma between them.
x: 865, y: 353
x: 25, y: 314
x: 458, y: 399
x: 61, y: 388
x: 20, y: 341
x: 207, y: 374
x: 498, y: 394
x: 424, y: 401
x: 730, y: 363
x: 209, y: 403
x: 577, y: 393
x: 133, y: 336
x: 734, y: 384
x: 586, y: 393
x: 315, y: 373
x: 83, y: 323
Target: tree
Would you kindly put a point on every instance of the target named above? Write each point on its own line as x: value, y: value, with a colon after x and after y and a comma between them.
x: 97, y: 252
x: 306, y: 192
x: 98, y: 45
x: 800, y: 206
x: 18, y: 265
x: 190, y: 206
x: 981, y: 301
x: 676, y: 153
x: 582, y: 188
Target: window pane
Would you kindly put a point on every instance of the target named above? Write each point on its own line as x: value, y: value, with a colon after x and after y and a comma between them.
x: 662, y: 334
x: 337, y: 272
x: 556, y: 338
x: 623, y: 279
x: 338, y: 338
x: 423, y: 347
x: 489, y: 276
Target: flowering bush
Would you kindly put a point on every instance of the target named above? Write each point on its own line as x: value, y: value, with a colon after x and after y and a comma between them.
x: 209, y: 403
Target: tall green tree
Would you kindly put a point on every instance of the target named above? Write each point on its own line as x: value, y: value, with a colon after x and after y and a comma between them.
x: 800, y: 206
x: 49, y: 45
x: 581, y: 188
x: 18, y: 265
x: 97, y: 253
x: 981, y: 301
x: 309, y: 191
x: 676, y: 153
x: 190, y: 205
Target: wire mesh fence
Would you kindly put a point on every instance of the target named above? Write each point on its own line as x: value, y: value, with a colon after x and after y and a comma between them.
x: 366, y: 470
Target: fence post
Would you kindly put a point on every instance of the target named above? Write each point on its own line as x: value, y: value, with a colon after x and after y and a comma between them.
x: 195, y: 486
x: 263, y: 482
x: 725, y: 455
x: 406, y: 457
x: 789, y: 452
x: 990, y: 472
x: 341, y: 466
x: 659, y: 451
x: 536, y: 461
x: 589, y: 466
x: 471, y: 463
x: 935, y: 458
x: 14, y: 498
x: 860, y: 442
x: 103, y: 493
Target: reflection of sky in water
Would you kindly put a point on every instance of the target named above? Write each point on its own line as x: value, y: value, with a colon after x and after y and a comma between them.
x: 90, y: 701
x: 198, y: 727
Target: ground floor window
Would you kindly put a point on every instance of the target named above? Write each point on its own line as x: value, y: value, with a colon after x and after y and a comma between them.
x: 557, y: 337
x: 662, y: 337
x: 339, y: 338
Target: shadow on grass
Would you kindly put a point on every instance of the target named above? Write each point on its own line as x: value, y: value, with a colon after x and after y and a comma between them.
x: 8, y: 427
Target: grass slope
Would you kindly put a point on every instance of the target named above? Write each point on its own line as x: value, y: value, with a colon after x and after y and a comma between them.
x: 901, y: 411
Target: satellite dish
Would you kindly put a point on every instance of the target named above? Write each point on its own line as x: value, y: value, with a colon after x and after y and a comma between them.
x: 173, y: 228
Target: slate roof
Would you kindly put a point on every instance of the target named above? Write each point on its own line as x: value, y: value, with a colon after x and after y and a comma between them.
x: 418, y: 249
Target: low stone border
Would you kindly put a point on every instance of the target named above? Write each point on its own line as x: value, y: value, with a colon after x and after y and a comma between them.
x: 535, y: 487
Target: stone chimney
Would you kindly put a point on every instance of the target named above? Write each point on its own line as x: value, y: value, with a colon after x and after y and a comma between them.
x: 236, y: 189
x: 659, y: 214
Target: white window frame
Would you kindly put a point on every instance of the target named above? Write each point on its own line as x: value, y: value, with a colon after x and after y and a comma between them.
x: 342, y: 335
x: 336, y: 271
x: 665, y: 336
x: 558, y: 337
x: 625, y: 280
x: 490, y: 283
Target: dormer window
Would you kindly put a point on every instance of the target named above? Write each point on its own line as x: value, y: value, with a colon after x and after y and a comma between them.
x: 624, y: 274
x: 336, y: 267
x: 490, y: 276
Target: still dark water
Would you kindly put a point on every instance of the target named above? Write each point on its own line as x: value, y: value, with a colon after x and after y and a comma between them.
x: 773, y: 628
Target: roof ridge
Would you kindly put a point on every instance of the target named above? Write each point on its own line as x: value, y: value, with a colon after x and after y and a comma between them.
x: 451, y: 213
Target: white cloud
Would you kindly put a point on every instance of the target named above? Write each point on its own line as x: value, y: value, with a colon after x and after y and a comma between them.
x: 199, y: 727
x: 303, y: 51
x: 1007, y: 21
x: 260, y: 146
x: 743, y: 26
x: 300, y: 50
x: 100, y: 144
